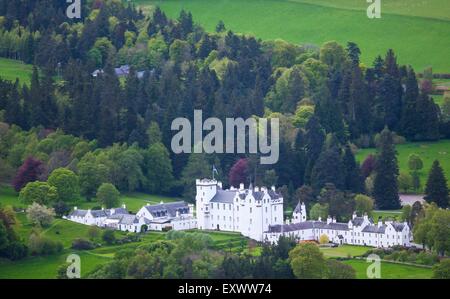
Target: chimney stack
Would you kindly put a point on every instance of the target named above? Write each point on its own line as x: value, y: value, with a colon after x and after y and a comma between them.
x: 329, y: 220
x: 354, y: 215
x: 241, y: 186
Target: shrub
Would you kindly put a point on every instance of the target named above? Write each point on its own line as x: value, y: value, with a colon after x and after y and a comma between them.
x: 109, y: 237
x: 41, y: 245
x: 82, y: 244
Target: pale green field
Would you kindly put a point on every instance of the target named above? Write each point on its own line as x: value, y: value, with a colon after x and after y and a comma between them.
x: 391, y: 270
x: 438, y: 9
x: 12, y: 69
x: 344, y: 251
x: 428, y: 151
x: 418, y: 41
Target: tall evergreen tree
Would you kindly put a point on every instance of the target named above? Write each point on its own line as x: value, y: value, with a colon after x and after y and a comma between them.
x: 315, y: 138
x: 385, y: 189
x: 409, y: 122
x: 13, y: 107
x: 328, y: 167
x: 353, y: 177
x: 436, y: 189
x: 427, y: 114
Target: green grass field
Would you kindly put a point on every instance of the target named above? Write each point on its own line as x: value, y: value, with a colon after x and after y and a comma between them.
x: 12, y: 69
x: 46, y: 267
x: 410, y: 36
x: 344, y: 251
x: 391, y: 270
x: 393, y: 215
x: 436, y: 9
x: 428, y: 151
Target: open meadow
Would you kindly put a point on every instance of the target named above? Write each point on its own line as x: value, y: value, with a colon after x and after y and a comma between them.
x: 419, y: 36
x: 391, y: 270
x: 12, y: 69
x: 428, y: 152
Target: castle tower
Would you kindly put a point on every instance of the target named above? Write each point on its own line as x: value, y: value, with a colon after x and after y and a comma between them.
x: 206, y: 190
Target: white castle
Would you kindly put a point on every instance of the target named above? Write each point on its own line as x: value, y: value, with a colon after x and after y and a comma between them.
x: 248, y: 211
x: 258, y: 213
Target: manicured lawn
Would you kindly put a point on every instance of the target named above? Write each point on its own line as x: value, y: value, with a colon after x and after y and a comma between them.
x: 390, y: 270
x: 394, y: 215
x: 46, y: 267
x: 12, y: 69
x: 9, y: 197
x: 344, y: 251
x: 438, y: 9
x: 304, y: 23
x: 428, y: 151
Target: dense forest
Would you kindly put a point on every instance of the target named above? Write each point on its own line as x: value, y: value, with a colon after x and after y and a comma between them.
x: 79, y: 114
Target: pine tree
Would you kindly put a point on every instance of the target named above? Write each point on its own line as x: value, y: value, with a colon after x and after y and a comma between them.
x: 353, y: 178
x: 328, y: 167
x: 436, y: 189
x: 409, y: 122
x: 427, y: 115
x: 360, y: 116
x: 13, y: 113
x: 385, y: 190
x: 315, y: 137
x: 329, y: 113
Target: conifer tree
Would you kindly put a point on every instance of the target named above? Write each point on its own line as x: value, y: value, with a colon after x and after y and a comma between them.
x: 353, y: 178
x: 315, y: 137
x: 436, y: 189
x: 409, y: 122
x: 385, y: 189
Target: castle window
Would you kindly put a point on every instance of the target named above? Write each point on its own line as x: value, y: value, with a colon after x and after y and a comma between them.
x: 250, y: 210
x: 218, y: 206
x: 224, y: 206
x: 274, y: 208
x: 251, y: 221
x: 266, y: 209
x: 229, y: 206
x: 275, y: 219
x: 237, y: 208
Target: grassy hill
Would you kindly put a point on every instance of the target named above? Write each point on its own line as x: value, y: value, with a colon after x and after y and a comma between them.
x: 428, y: 151
x: 12, y: 69
x: 437, y: 9
x: 391, y: 270
x: 298, y: 22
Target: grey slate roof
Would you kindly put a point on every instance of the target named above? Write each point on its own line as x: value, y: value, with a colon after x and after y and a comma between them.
x: 78, y: 213
x: 224, y: 196
x: 307, y: 225
x: 298, y: 208
x: 374, y: 229
x: 99, y: 213
x: 398, y: 226
x: 128, y: 219
x: 227, y: 196
x: 358, y: 221
x: 273, y: 194
x: 168, y: 209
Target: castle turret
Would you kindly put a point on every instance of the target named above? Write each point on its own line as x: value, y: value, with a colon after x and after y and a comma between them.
x: 206, y: 190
